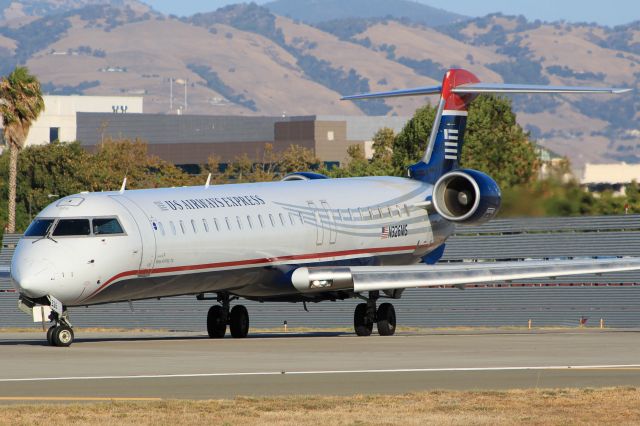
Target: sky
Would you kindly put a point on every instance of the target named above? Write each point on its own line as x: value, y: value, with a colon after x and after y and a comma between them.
x: 611, y: 12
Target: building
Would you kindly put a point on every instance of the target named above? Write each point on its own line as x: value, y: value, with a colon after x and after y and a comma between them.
x: 58, y: 121
x: 615, y: 176
x: 191, y: 139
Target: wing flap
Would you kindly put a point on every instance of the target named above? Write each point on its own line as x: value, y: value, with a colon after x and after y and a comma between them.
x: 372, y: 278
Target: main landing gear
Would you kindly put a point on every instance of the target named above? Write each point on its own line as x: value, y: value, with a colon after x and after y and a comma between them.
x: 220, y: 316
x: 61, y: 333
x: 366, y: 314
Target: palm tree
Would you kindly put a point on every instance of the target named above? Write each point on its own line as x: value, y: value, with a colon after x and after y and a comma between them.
x: 20, y: 104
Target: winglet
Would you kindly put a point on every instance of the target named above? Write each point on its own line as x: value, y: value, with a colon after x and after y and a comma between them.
x: 124, y: 185
x: 206, y: 185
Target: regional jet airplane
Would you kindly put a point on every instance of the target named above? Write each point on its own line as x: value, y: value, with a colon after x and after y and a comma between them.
x: 304, y: 239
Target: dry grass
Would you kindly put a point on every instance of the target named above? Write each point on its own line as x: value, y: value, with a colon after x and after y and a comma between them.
x: 533, y: 407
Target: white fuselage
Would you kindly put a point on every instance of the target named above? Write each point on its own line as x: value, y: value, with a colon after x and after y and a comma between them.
x: 244, y: 239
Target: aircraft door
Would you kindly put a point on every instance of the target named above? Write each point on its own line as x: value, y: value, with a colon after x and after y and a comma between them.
x: 333, y: 233
x: 145, y: 225
x: 318, y: 223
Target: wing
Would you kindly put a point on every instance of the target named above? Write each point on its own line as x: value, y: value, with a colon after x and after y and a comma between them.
x: 371, y: 278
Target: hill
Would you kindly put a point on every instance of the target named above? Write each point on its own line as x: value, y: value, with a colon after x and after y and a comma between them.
x: 316, y: 11
x: 244, y: 59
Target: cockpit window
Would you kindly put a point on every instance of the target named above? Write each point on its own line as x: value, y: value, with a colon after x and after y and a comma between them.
x: 72, y: 227
x: 39, y: 228
x: 107, y: 226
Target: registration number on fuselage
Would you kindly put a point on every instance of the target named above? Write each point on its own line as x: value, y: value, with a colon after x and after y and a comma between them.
x: 395, y: 231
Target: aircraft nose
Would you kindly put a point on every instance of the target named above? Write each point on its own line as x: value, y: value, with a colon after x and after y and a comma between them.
x: 30, y: 276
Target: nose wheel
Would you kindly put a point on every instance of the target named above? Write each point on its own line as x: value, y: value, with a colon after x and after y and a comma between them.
x: 60, y: 335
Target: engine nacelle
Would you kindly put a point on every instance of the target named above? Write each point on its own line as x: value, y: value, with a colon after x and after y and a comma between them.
x: 466, y: 196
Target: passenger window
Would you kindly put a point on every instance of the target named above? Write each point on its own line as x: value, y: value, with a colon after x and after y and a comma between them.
x: 239, y: 222
x: 282, y: 219
x: 406, y: 208
x: 182, y: 227
x: 39, y: 228
x: 389, y: 211
x: 108, y: 226
x: 273, y: 222
x: 161, y: 227
x: 215, y: 222
x: 72, y: 227
x: 249, y: 222
x: 301, y: 219
x: 261, y: 221
x: 226, y: 219
x: 292, y: 219
x: 206, y: 225
x: 193, y: 225
x: 173, y: 228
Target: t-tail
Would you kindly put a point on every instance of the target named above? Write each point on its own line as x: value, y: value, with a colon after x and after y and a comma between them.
x: 463, y: 195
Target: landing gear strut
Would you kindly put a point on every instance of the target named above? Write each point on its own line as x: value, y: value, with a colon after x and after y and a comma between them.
x: 220, y: 316
x: 366, y: 314
x: 61, y: 333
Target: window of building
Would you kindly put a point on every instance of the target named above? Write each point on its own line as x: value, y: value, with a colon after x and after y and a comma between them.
x: 54, y: 134
x: 330, y: 135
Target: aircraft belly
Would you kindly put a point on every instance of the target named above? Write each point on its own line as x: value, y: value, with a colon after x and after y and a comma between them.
x: 256, y: 282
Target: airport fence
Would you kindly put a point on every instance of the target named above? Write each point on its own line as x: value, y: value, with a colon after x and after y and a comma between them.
x: 612, y: 298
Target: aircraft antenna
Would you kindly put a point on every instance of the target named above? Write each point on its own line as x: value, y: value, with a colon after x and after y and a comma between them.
x: 206, y: 185
x: 124, y: 185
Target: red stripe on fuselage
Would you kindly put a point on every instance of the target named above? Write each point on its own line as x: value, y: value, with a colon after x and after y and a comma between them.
x: 247, y: 263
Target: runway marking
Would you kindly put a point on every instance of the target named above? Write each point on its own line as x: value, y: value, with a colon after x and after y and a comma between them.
x: 73, y: 398
x: 297, y: 373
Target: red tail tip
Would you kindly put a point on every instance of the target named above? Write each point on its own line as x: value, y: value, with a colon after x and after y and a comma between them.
x: 452, y: 79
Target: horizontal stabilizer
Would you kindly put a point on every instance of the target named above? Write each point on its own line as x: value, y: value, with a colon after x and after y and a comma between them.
x: 477, y: 88
x: 532, y: 88
x: 427, y: 90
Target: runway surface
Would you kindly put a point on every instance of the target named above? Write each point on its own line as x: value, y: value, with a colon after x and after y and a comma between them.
x: 189, y: 365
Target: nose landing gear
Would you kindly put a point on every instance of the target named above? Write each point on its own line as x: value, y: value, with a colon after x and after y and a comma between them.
x: 61, y: 333
x: 366, y: 314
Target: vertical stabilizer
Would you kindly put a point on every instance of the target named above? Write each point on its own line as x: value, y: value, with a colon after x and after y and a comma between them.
x: 447, y: 135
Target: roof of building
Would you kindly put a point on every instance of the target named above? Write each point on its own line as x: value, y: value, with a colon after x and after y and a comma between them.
x: 612, y: 174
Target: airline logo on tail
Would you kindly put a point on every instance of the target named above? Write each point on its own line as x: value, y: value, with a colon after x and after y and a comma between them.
x: 451, y: 144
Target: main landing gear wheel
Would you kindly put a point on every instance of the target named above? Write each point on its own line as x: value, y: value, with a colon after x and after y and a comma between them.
x: 362, y: 321
x: 239, y: 322
x: 62, y: 335
x: 386, y: 317
x: 216, y: 322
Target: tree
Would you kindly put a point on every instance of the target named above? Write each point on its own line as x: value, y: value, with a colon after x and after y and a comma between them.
x: 494, y: 142
x: 20, y: 105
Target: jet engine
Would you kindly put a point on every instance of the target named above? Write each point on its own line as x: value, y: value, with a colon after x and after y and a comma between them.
x: 466, y: 196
